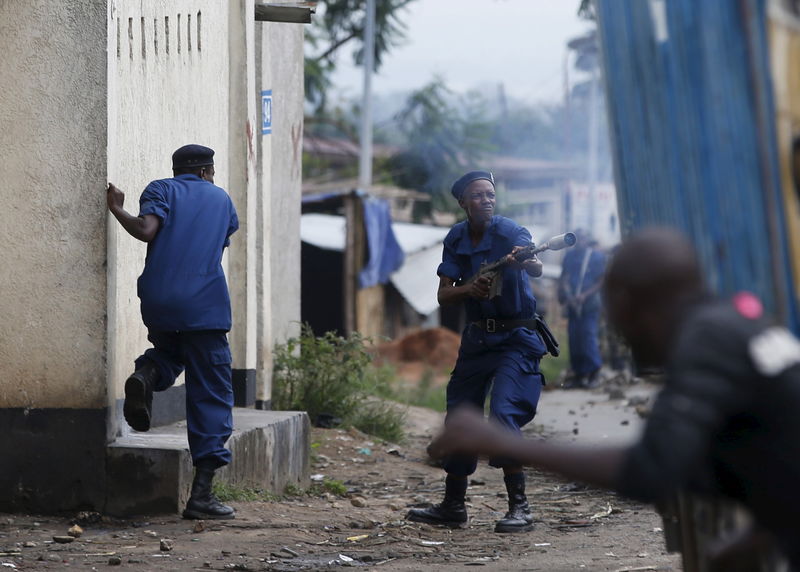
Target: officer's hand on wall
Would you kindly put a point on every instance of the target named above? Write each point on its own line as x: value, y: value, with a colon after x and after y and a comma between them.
x: 114, y: 197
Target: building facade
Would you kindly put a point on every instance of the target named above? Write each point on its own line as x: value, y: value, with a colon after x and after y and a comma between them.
x: 93, y: 91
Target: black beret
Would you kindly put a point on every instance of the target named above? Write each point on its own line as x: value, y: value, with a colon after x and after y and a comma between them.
x: 461, y: 185
x: 192, y: 156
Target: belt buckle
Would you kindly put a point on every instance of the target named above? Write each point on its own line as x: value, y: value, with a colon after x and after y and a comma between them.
x: 491, y: 326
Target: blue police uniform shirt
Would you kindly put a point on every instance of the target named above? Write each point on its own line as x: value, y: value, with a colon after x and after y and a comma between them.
x: 461, y: 260
x: 595, y: 268
x: 183, y: 286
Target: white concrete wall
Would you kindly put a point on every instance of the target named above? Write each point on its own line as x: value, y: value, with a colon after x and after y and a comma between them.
x: 243, y: 147
x: 168, y: 86
x: 105, y: 90
x: 52, y: 219
x: 279, y: 192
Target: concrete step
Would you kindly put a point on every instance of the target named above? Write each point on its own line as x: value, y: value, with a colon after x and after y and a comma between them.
x: 151, y: 473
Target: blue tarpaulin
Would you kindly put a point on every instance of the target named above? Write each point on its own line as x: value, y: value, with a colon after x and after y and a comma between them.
x: 384, y: 253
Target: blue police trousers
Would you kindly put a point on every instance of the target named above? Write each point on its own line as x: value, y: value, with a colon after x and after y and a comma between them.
x: 584, y: 348
x: 206, y: 357
x: 509, y: 374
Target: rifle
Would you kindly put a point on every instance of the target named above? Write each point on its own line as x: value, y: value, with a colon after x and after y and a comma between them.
x: 493, y: 270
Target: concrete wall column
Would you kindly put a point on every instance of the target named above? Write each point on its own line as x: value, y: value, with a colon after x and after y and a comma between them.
x: 280, y: 175
x: 52, y: 224
x: 243, y: 150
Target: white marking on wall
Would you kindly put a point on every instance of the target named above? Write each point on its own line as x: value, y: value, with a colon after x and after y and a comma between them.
x: 130, y: 38
x: 144, y: 42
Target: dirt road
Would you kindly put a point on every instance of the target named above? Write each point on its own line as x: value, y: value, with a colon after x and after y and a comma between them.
x: 577, y: 528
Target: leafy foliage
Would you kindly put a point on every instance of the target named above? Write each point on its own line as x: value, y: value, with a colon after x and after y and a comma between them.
x: 445, y: 133
x: 331, y: 377
x: 340, y: 23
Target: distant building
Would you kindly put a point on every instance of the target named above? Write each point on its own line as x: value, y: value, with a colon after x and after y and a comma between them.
x: 545, y: 195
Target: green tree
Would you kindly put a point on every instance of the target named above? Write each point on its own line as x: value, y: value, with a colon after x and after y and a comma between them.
x: 340, y: 23
x: 445, y: 134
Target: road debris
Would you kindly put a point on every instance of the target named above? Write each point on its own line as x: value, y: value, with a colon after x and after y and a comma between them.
x: 358, y: 502
x: 289, y: 551
x: 75, y: 531
x: 603, y: 513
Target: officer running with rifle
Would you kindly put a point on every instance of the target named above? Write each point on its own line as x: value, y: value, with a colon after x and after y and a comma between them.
x: 500, y: 347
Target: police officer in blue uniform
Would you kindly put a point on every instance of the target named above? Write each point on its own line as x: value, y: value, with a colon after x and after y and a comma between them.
x: 500, y: 348
x: 582, y: 272
x: 186, y: 222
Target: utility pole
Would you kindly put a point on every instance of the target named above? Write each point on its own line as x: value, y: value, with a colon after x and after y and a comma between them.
x: 354, y: 229
x: 365, y: 157
x: 594, y: 137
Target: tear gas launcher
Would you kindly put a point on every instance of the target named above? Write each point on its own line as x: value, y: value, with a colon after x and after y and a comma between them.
x: 493, y: 270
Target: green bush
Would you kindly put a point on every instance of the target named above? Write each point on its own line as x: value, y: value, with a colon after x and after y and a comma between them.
x: 332, y: 376
x: 424, y: 394
x: 332, y: 486
x: 382, y: 420
x: 227, y: 493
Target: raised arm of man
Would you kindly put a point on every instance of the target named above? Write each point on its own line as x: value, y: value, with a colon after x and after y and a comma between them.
x: 144, y: 228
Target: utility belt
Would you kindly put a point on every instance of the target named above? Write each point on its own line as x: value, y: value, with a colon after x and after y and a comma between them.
x: 537, y: 323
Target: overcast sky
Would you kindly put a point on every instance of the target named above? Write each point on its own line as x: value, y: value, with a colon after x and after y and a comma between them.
x: 478, y: 44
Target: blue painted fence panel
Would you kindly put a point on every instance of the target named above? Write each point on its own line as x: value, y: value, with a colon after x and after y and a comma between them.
x: 692, y: 148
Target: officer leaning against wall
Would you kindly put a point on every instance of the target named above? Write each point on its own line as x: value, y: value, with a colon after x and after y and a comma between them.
x: 186, y: 222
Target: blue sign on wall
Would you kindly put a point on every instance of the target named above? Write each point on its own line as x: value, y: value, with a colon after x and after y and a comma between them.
x: 266, y: 112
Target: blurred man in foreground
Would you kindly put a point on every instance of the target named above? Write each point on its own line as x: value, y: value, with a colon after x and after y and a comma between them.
x: 728, y: 419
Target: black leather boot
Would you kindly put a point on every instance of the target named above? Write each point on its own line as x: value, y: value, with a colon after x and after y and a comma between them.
x: 518, y: 518
x: 202, y: 504
x: 451, y: 511
x: 138, y: 406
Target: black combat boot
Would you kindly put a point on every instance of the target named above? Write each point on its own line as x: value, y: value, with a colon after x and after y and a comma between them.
x: 518, y: 518
x: 138, y: 407
x: 202, y: 504
x: 451, y: 511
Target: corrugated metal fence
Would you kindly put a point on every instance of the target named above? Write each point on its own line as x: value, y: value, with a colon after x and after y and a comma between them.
x: 692, y: 124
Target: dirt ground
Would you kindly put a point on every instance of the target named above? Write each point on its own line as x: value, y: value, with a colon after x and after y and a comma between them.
x: 576, y: 528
